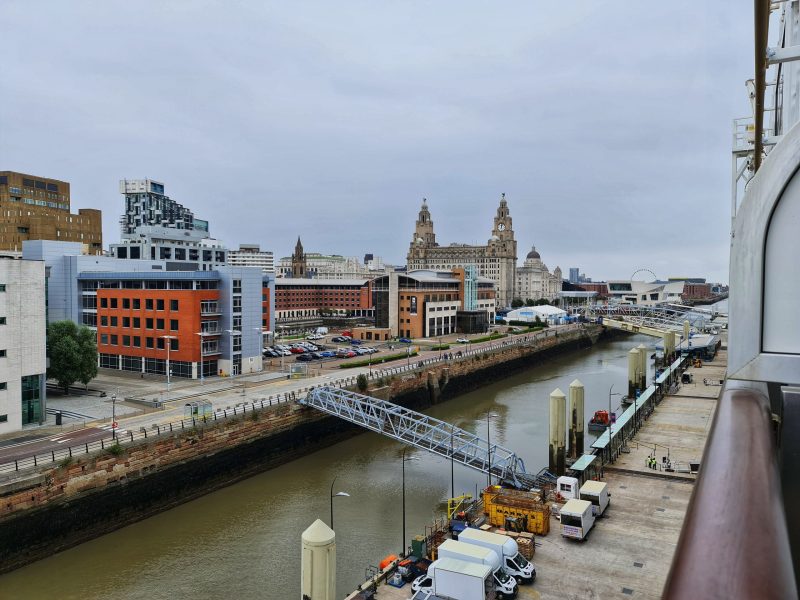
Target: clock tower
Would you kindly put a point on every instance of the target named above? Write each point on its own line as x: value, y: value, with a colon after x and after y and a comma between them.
x: 502, y: 254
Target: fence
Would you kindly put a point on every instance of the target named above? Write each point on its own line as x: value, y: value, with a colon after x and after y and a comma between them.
x: 60, y: 454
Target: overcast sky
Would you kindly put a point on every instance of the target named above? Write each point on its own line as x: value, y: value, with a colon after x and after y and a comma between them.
x: 607, y: 124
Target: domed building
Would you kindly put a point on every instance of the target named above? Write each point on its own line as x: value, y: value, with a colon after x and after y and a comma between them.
x: 534, y: 281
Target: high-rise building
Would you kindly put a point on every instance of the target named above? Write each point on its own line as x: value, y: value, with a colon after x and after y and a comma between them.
x: 38, y: 208
x: 574, y: 274
x: 146, y: 204
x: 23, y: 346
x: 497, y: 260
x: 184, y: 250
x: 251, y: 255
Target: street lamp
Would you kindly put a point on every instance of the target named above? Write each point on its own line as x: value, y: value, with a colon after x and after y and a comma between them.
x: 440, y: 348
x: 114, y: 415
x: 336, y: 495
x: 490, y: 415
x: 405, y: 460
x: 231, y: 333
x: 168, y: 344
x: 202, y: 356
x: 609, y: 412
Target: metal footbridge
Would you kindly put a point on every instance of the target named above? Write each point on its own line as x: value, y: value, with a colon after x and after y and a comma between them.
x: 428, y: 433
x: 656, y: 318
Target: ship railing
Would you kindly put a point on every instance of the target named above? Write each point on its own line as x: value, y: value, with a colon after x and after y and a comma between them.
x: 734, y: 542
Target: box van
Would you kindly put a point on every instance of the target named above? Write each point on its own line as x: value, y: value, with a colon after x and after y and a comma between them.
x: 576, y: 519
x: 596, y: 492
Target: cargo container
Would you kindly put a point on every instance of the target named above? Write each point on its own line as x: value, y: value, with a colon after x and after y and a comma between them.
x: 516, y: 510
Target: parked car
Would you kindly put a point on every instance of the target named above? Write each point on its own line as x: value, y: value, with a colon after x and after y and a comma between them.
x: 462, y: 341
x: 372, y: 350
x: 339, y: 339
x: 315, y: 336
x: 350, y: 354
x: 297, y: 350
x: 404, y: 341
x: 360, y: 351
x: 328, y: 353
x: 304, y: 357
x: 356, y: 342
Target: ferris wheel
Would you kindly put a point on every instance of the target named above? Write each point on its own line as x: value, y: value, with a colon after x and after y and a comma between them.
x: 637, y: 271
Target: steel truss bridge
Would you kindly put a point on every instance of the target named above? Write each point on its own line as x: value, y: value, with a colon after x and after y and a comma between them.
x: 665, y: 318
x: 428, y: 433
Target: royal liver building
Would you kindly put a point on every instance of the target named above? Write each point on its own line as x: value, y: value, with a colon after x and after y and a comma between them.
x: 496, y: 260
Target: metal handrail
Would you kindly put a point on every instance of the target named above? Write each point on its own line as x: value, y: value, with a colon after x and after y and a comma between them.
x: 734, y: 542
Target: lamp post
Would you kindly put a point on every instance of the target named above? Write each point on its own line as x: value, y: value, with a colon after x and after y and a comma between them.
x: 231, y: 333
x: 405, y: 460
x: 440, y: 348
x: 609, y: 413
x: 336, y: 495
x: 168, y: 344
x: 489, y: 415
x: 202, y: 356
x: 114, y: 415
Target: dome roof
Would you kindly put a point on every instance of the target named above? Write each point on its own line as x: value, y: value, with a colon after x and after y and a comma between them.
x: 533, y: 253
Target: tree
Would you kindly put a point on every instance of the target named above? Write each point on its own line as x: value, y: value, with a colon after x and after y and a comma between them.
x: 72, y: 351
x: 516, y: 303
x: 529, y: 302
x: 362, y: 383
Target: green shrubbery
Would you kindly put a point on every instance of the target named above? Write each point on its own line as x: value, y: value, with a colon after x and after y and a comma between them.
x: 376, y: 360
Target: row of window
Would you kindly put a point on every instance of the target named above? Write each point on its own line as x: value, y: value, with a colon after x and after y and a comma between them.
x: 156, y: 366
x: 136, y: 342
x: 135, y: 303
x: 136, y: 323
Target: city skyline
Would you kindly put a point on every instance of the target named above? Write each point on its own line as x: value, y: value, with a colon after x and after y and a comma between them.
x: 345, y: 116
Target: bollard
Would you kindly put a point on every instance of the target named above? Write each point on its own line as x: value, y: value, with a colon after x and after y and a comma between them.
x: 576, y: 418
x: 558, y: 433
x: 633, y: 372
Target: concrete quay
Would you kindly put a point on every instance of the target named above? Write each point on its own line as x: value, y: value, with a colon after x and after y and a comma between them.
x: 629, y: 550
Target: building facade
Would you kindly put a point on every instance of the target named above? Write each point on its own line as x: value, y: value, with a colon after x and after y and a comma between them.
x: 534, y: 281
x: 38, y: 208
x: 251, y: 255
x: 497, y: 260
x: 311, y: 298
x: 146, y: 204
x: 23, y: 344
x: 145, y: 314
x: 425, y: 303
x: 186, y: 249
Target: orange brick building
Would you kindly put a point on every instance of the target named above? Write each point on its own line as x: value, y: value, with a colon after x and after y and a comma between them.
x: 297, y: 298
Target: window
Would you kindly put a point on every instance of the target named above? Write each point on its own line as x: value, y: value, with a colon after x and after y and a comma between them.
x: 137, y: 322
x: 3, y: 385
x: 126, y: 303
x: 3, y: 418
x: 114, y: 321
x: 113, y: 303
x: 137, y: 341
x: 103, y: 302
x: 103, y: 321
x: 104, y: 338
x: 126, y: 340
x: 173, y: 344
x: 159, y: 305
x: 159, y: 323
x: 137, y: 304
x: 126, y: 321
x: 173, y: 305
x: 2, y: 353
x: 173, y: 324
x: 2, y: 287
x: 114, y: 340
x: 237, y: 286
x: 148, y: 304
x: 149, y: 342
x: 160, y: 343
x: 2, y: 320
x: 148, y: 323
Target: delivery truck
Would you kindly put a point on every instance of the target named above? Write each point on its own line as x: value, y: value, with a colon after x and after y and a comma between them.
x: 505, y: 586
x: 506, y: 549
x: 451, y: 578
x: 596, y: 492
x: 576, y: 519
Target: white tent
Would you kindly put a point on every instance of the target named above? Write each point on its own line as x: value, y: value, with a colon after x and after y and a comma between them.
x: 551, y: 314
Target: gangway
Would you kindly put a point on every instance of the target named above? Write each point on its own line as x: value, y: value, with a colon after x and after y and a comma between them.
x: 661, y: 317
x: 428, y: 433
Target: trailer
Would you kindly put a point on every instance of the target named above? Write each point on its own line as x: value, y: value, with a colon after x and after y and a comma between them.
x: 576, y: 519
x: 596, y: 492
x: 451, y: 578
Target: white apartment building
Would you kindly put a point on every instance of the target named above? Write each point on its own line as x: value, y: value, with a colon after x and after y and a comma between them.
x: 251, y: 255
x: 183, y: 249
x: 23, y: 343
x: 327, y: 266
